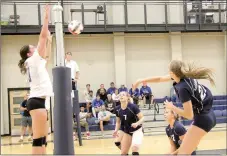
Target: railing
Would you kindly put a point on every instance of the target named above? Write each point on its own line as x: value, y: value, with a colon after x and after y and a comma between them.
x: 119, y: 13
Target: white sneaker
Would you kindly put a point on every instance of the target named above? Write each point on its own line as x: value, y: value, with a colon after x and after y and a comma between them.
x: 21, y: 140
x: 30, y: 138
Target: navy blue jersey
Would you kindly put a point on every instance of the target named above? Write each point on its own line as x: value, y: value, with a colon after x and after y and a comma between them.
x: 201, y: 97
x: 175, y: 132
x: 111, y: 90
x: 134, y: 93
x: 145, y: 90
x: 24, y: 105
x: 128, y: 116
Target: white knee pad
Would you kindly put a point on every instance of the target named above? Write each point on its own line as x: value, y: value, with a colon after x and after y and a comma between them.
x: 137, y: 138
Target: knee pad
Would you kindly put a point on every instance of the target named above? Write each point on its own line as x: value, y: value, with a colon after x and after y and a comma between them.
x: 135, y: 147
x: 135, y: 153
x: 37, y: 142
x: 117, y: 143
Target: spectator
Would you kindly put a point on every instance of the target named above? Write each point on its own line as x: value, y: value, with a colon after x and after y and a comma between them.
x: 111, y: 89
x: 103, y: 117
x: 135, y: 95
x: 87, y: 90
x: 83, y: 121
x: 26, y: 120
x: 122, y: 89
x: 89, y: 100
x: 109, y: 103
x: 116, y: 97
x: 96, y: 105
x: 101, y: 87
x: 145, y: 92
x: 103, y: 95
x: 74, y: 69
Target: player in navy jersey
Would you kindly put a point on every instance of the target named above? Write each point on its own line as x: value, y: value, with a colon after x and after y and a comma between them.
x: 33, y: 63
x: 197, y: 100
x: 175, y: 131
x: 128, y: 131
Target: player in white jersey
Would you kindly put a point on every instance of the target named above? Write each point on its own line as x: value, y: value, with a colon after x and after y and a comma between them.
x: 33, y: 63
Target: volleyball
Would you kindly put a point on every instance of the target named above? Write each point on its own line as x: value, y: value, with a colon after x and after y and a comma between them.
x: 75, y: 27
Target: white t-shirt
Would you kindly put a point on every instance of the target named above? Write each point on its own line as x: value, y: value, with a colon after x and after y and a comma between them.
x: 74, y: 67
x: 115, y: 97
x: 89, y: 98
x: 86, y: 94
x: 103, y: 114
x: 83, y: 116
x: 38, y: 77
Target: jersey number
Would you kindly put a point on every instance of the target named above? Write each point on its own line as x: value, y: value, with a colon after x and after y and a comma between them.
x: 125, y: 117
x: 202, y: 92
x: 29, y: 75
x: 172, y: 136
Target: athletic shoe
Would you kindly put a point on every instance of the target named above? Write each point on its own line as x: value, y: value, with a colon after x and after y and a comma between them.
x: 21, y: 140
x: 88, y: 135
x: 30, y: 138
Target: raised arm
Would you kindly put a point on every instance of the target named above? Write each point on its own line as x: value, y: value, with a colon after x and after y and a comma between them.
x: 48, y: 48
x: 44, y: 34
x: 152, y: 80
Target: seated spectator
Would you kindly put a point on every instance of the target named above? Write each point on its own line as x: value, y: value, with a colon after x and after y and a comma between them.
x: 90, y: 97
x: 116, y: 97
x: 103, y: 117
x: 111, y: 89
x: 83, y: 121
x: 101, y: 87
x: 109, y: 103
x: 103, y: 95
x: 135, y: 95
x: 123, y: 89
x: 86, y: 92
x: 96, y: 105
x: 145, y: 92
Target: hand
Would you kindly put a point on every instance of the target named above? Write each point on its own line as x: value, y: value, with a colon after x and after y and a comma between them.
x: 168, y: 104
x: 115, y: 134
x: 47, y: 9
x: 134, y: 125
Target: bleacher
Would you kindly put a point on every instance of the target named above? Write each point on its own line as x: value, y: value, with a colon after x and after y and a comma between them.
x: 154, y: 119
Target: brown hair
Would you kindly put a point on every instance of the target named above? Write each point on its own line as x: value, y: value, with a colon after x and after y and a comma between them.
x: 182, y: 70
x: 176, y: 116
x: 23, y: 53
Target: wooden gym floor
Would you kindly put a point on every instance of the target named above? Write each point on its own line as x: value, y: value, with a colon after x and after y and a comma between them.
x: 151, y: 145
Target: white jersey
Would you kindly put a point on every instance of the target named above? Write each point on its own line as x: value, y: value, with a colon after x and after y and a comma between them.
x: 38, y: 77
x: 74, y: 67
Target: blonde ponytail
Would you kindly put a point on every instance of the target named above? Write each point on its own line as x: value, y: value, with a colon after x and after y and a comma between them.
x: 182, y: 70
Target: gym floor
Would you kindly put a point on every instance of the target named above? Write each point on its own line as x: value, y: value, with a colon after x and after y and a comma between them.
x: 213, y: 143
